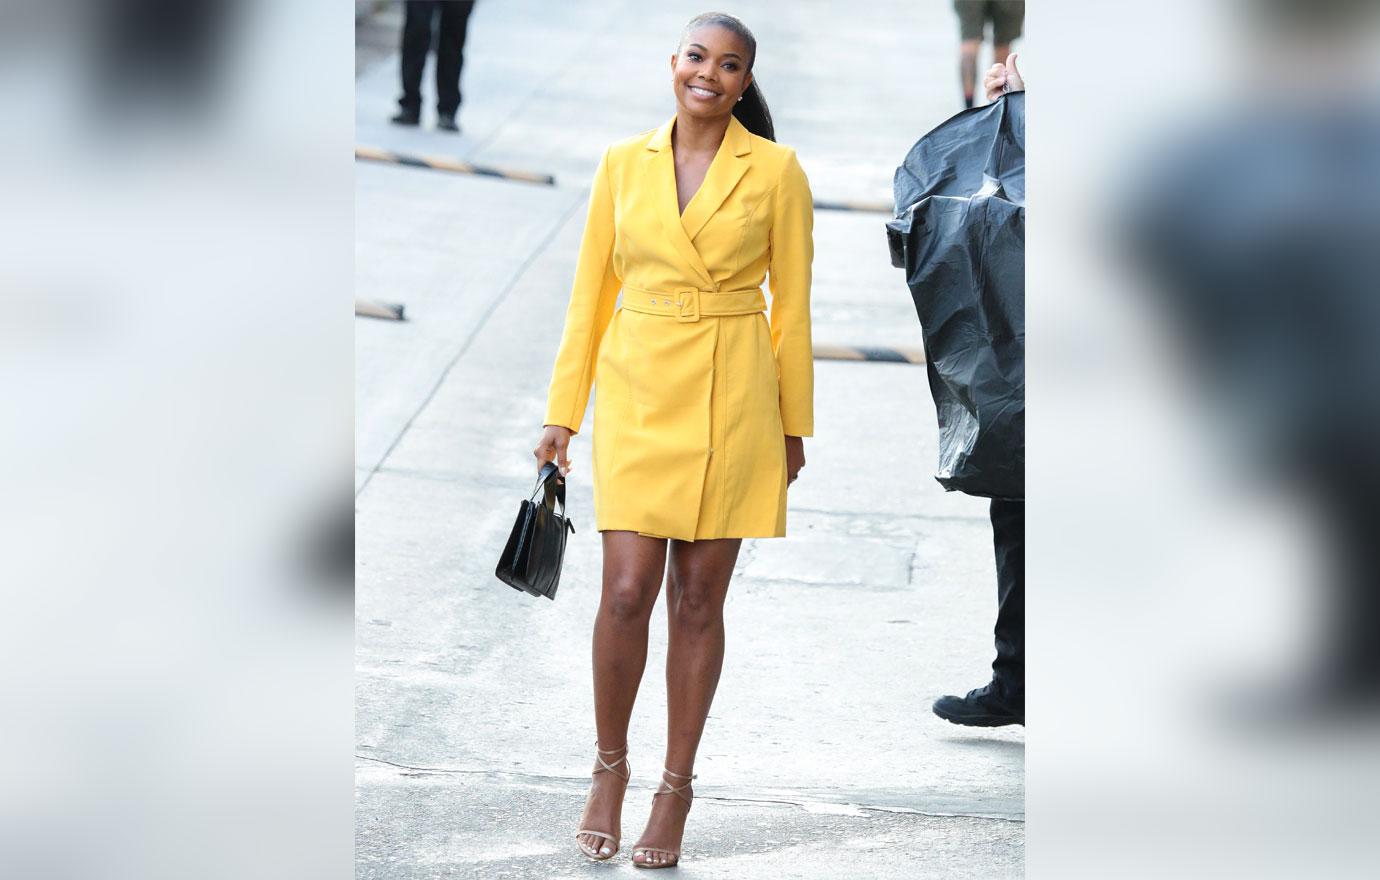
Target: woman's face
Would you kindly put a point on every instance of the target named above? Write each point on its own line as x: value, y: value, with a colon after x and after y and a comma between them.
x: 710, y: 72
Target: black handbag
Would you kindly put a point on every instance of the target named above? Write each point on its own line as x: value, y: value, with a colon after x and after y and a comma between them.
x: 531, y: 560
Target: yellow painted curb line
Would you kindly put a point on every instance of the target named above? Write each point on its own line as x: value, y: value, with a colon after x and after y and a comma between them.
x: 438, y: 163
x: 369, y: 308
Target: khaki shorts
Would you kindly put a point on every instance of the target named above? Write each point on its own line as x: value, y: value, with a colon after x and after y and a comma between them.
x: 1006, y: 16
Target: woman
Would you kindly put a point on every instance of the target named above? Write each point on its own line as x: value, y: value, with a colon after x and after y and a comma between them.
x: 702, y: 401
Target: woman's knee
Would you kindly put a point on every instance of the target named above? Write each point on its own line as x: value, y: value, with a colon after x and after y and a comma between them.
x: 695, y: 606
x: 629, y: 599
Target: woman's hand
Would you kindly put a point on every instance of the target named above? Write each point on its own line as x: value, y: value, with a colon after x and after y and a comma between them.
x: 795, y: 457
x: 554, y: 446
x: 1003, y: 78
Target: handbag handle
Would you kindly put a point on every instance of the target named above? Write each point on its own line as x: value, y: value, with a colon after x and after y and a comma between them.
x: 549, y: 479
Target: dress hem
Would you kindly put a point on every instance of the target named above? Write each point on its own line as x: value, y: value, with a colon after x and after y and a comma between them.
x: 754, y: 535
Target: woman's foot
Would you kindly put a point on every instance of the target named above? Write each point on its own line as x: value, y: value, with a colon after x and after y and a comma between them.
x: 600, y: 827
x: 659, y: 846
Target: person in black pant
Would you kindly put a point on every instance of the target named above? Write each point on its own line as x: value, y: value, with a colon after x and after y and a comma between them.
x: 450, y: 58
x: 1002, y: 701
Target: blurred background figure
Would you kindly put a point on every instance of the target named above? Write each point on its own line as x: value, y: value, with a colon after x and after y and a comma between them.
x: 1006, y: 17
x: 152, y: 56
x: 1268, y: 274
x: 417, y: 37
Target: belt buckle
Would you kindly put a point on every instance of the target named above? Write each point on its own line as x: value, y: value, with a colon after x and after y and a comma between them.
x: 688, y: 297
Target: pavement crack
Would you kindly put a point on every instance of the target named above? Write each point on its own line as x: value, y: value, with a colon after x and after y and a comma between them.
x: 423, y: 769
x: 802, y: 803
x: 473, y: 335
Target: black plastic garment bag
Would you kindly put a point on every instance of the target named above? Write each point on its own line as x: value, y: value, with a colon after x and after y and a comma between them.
x: 959, y: 232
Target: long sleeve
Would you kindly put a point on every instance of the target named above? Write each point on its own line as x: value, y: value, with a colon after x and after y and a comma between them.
x: 592, y: 301
x: 792, y: 252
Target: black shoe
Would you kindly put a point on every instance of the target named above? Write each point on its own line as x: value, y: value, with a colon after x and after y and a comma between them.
x: 986, y: 706
x: 447, y: 123
x: 406, y: 118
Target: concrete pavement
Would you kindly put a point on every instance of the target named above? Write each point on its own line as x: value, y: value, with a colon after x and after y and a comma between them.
x: 474, y: 716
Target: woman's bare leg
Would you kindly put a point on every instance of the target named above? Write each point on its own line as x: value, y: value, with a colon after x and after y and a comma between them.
x: 633, y: 568
x: 697, y: 584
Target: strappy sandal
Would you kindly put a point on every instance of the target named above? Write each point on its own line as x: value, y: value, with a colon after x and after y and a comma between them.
x: 604, y: 766
x: 679, y: 791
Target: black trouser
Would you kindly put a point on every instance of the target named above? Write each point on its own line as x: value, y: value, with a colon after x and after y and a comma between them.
x: 1008, y: 538
x: 450, y: 52
x: 1350, y: 496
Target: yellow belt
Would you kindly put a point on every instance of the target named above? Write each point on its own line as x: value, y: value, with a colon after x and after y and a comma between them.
x: 689, y: 304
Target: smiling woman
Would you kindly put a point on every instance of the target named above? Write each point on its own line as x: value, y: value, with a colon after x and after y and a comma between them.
x: 749, y: 108
x: 703, y: 400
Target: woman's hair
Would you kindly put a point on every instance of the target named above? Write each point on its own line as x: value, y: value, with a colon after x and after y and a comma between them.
x: 752, y: 110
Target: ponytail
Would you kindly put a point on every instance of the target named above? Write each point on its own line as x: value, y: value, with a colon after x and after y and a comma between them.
x: 753, y: 113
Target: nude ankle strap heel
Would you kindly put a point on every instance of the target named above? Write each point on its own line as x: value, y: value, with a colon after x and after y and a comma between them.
x: 679, y: 791
x: 605, y: 853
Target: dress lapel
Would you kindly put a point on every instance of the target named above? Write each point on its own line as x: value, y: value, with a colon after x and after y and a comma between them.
x: 661, y: 176
x: 728, y: 167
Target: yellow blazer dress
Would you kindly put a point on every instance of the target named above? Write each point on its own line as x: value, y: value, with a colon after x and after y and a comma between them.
x: 696, y: 386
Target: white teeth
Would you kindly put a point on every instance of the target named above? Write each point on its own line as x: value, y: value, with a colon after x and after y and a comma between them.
x: 704, y: 93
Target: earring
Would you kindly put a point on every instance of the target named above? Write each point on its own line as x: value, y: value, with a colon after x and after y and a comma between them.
x: 740, y: 97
